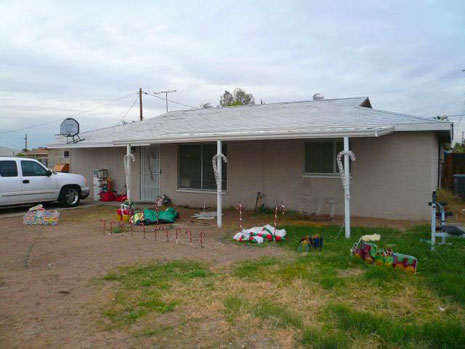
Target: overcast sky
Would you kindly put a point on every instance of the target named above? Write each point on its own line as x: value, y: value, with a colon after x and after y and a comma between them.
x: 61, y: 58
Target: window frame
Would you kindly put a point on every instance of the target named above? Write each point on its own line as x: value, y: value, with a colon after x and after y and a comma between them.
x: 335, y: 173
x: 198, y: 190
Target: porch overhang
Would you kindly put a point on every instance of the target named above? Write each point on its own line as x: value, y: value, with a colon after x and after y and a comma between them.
x: 338, y: 132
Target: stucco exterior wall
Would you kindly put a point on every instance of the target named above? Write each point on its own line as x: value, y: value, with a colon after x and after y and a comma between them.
x: 56, y: 156
x: 393, y: 177
x: 84, y: 161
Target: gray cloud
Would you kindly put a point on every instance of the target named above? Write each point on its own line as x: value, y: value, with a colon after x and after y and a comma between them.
x: 60, y: 58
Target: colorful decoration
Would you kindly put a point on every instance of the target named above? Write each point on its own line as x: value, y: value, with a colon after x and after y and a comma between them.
x: 239, y: 208
x: 259, y: 234
x: 316, y: 241
x: 38, y: 215
x: 369, y: 252
x: 279, y: 208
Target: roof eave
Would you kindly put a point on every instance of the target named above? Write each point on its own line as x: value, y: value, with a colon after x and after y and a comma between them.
x: 83, y: 145
x: 194, y: 138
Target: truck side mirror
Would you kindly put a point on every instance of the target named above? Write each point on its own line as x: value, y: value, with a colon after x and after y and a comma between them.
x: 49, y: 173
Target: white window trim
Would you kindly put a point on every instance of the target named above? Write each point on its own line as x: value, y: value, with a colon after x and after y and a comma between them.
x: 335, y: 173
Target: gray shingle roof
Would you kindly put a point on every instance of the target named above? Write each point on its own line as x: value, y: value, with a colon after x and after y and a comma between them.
x: 306, y: 119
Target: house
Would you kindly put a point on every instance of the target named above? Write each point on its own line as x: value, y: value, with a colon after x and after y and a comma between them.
x: 40, y: 154
x: 4, y: 151
x: 58, y: 159
x: 287, y: 151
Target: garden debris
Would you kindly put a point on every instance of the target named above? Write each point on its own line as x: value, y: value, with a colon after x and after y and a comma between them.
x: 371, y: 253
x: 259, y: 234
x: 38, y: 215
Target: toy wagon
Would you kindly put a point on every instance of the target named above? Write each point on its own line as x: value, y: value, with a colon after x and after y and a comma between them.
x: 372, y: 254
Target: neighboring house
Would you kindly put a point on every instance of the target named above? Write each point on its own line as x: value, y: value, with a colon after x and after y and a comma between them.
x: 40, y: 154
x: 4, y: 151
x: 287, y: 151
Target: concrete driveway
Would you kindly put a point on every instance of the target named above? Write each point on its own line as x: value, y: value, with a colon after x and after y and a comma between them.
x: 20, y: 210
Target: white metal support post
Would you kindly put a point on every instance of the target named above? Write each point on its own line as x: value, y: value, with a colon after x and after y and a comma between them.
x: 219, y: 200
x: 128, y: 172
x: 347, y: 180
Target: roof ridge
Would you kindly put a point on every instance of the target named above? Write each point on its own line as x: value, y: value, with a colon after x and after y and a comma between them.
x: 402, y: 114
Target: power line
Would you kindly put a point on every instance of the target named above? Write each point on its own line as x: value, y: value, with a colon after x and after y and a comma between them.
x: 127, y: 111
x: 74, y: 115
x: 184, y: 105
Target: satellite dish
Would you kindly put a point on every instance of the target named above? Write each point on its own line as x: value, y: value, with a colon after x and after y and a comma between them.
x: 70, y: 128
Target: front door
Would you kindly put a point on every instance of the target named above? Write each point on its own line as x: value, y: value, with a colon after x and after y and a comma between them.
x: 36, y: 185
x: 150, y: 173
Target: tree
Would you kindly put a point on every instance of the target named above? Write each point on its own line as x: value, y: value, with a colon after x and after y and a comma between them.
x: 238, y: 97
x: 206, y: 106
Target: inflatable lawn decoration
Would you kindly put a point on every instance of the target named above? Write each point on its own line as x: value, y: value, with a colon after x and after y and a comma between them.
x: 259, y: 234
x: 366, y: 250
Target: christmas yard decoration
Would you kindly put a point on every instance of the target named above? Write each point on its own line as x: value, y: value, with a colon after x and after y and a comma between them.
x: 369, y: 252
x: 315, y: 241
x: 260, y: 234
x: 39, y: 215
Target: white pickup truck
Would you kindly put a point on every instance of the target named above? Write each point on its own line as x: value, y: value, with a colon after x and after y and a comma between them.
x: 24, y: 181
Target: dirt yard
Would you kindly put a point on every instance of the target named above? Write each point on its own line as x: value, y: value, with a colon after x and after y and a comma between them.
x: 51, y: 294
x: 48, y: 293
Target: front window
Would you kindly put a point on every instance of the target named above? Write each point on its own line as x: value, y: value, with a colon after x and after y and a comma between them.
x: 320, y: 157
x: 195, y: 170
x: 32, y: 169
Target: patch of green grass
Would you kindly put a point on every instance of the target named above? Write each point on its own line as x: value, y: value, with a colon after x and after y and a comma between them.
x: 141, y: 289
x: 441, y: 271
x: 279, y: 316
x: 323, y: 339
x: 436, y: 334
x: 382, y: 275
x: 254, y: 269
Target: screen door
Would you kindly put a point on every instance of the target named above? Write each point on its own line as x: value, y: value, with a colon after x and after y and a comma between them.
x: 150, y: 173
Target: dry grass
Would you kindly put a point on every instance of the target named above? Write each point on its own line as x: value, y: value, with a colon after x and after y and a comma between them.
x: 316, y: 300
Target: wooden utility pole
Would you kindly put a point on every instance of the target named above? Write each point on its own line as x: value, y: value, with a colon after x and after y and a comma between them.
x: 25, y: 141
x: 141, y: 110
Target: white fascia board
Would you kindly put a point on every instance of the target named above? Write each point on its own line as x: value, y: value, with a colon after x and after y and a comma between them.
x: 83, y: 145
x: 436, y: 126
x: 264, y: 135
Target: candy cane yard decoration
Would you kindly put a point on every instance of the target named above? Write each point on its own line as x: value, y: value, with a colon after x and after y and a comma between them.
x: 345, y: 176
x: 239, y: 208
x: 278, y: 208
x: 218, y: 171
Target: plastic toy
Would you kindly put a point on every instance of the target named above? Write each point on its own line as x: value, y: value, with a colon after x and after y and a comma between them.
x: 370, y: 253
x: 316, y: 241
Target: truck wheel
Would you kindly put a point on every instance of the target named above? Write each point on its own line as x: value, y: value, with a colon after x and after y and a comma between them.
x: 69, y: 197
